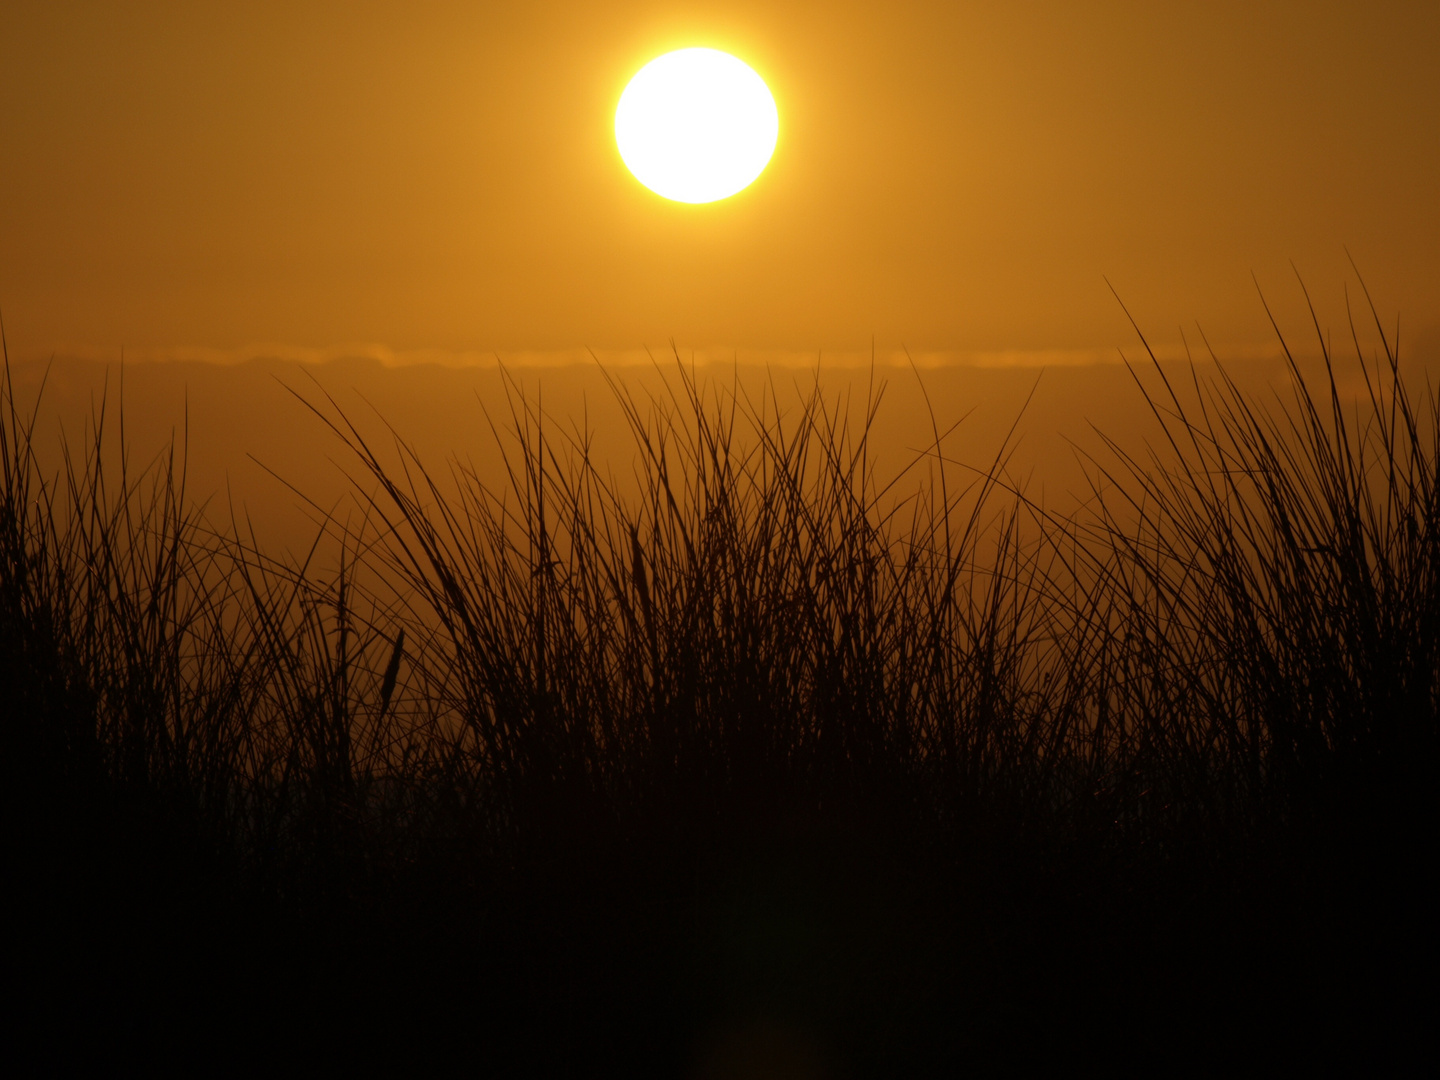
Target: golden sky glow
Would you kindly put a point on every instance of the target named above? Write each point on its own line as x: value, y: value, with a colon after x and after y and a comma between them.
x: 442, y: 175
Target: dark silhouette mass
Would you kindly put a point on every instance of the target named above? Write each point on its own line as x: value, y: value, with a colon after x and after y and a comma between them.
x: 766, y: 767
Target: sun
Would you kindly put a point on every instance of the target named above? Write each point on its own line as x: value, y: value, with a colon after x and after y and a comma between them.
x: 696, y: 125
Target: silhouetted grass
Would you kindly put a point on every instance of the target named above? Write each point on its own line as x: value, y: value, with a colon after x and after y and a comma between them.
x: 896, y: 767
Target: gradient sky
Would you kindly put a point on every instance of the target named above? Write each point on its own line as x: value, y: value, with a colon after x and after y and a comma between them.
x: 439, y: 176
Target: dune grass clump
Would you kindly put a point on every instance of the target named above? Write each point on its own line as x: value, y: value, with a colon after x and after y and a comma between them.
x: 1276, y: 567
x: 758, y: 625
x: 551, y: 699
x: 147, y: 656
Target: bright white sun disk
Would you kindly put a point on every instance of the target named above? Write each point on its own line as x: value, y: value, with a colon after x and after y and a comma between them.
x: 696, y: 125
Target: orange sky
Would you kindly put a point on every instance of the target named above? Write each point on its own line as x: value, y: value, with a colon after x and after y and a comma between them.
x: 440, y: 177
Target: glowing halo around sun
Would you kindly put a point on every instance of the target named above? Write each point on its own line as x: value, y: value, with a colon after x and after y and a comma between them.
x: 696, y: 125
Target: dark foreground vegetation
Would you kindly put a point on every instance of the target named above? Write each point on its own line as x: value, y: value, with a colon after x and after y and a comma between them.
x: 774, y: 768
